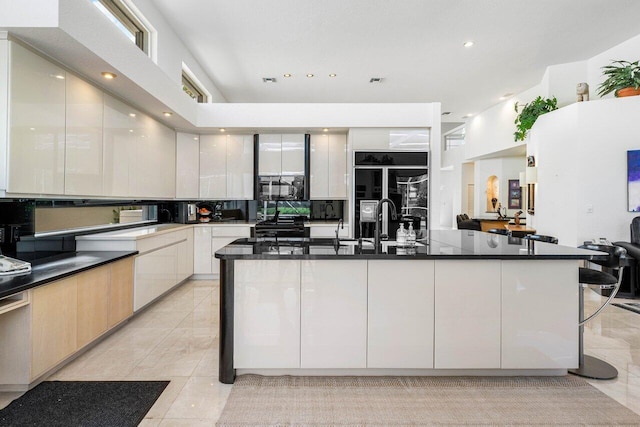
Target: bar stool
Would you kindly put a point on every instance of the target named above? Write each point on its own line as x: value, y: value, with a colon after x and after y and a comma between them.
x: 589, y: 366
x: 502, y: 231
x: 541, y: 238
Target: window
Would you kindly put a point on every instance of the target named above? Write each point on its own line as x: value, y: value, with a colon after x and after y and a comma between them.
x: 454, y: 139
x: 192, y: 89
x: 126, y: 21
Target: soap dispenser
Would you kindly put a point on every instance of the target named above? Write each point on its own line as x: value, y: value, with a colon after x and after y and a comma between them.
x: 411, y: 236
x: 401, y: 236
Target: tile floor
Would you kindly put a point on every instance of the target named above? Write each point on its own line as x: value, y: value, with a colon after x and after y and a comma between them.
x: 177, y: 339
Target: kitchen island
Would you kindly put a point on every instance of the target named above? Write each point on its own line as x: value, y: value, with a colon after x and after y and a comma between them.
x: 460, y: 303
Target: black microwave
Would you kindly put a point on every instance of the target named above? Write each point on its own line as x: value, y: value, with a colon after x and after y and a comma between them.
x: 281, y: 187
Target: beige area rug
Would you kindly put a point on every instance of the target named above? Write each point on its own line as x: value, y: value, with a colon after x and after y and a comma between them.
x: 417, y: 401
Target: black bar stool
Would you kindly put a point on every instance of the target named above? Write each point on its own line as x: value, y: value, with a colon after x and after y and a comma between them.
x: 502, y: 231
x: 541, y: 238
x: 589, y: 366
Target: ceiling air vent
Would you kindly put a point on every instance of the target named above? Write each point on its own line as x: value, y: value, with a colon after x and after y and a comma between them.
x: 269, y: 79
x: 375, y: 80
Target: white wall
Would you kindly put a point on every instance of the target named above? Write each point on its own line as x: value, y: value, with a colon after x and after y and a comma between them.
x: 172, y: 52
x: 628, y: 51
x: 493, y: 129
x: 283, y: 115
x: 582, y: 174
x: 32, y: 13
x: 504, y: 169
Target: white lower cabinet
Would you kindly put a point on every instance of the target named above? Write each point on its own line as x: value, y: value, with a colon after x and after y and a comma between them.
x: 333, y: 314
x: 467, y: 314
x: 267, y: 314
x: 202, y: 250
x: 185, y: 257
x: 208, y: 239
x: 539, y: 314
x: 155, y: 273
x: 400, y: 314
x: 218, y: 243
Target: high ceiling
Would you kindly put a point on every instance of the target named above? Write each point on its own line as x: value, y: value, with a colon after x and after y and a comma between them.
x: 416, y: 46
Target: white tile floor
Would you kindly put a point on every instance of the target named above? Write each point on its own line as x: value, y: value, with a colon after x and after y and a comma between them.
x: 177, y: 339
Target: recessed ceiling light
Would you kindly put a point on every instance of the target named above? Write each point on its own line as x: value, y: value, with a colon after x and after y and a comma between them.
x: 59, y: 76
x: 195, y: 138
x: 287, y: 75
x: 108, y: 75
x: 468, y: 43
x: 467, y: 116
x: 505, y: 96
x: 332, y: 75
x: 130, y: 130
x: 167, y: 114
x: 309, y: 75
x: 132, y: 114
x: 375, y: 80
x: 32, y: 128
x: 223, y: 130
x: 446, y: 113
x: 325, y: 130
x: 268, y: 79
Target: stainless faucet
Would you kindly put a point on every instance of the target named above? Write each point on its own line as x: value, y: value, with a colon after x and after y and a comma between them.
x: 340, y: 222
x: 394, y: 215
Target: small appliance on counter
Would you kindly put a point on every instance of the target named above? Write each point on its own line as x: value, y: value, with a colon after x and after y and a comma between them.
x: 281, y: 187
x: 205, y: 213
x: 186, y: 213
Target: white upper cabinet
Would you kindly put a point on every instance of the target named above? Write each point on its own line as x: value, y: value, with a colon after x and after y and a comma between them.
x: 240, y: 167
x: 84, y: 148
x: 37, y: 124
x: 152, y: 172
x: 281, y: 154
x: 187, y: 166
x: 390, y: 139
x: 121, y: 125
x: 328, y: 167
x: 213, y: 166
x: 292, y: 154
x: 226, y: 167
x: 161, y: 156
x: 270, y: 154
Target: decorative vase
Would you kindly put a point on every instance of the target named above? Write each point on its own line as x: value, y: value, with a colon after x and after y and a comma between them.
x: 627, y: 91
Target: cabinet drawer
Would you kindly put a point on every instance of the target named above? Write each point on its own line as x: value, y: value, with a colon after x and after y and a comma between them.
x: 156, y: 242
x: 237, y: 231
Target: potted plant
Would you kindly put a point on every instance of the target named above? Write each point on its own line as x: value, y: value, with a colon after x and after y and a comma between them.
x: 623, y: 78
x: 530, y: 113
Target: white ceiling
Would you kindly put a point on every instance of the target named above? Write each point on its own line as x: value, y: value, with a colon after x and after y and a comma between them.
x: 415, y: 45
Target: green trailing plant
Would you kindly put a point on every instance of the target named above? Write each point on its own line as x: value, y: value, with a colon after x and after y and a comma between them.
x: 530, y: 113
x: 619, y: 75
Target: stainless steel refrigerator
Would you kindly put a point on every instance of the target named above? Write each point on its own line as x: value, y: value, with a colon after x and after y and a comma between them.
x: 400, y: 176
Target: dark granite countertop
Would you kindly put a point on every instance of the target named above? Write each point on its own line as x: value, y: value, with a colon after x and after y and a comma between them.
x: 442, y: 244
x: 56, y: 267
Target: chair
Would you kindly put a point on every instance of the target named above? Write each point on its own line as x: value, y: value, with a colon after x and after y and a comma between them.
x: 631, y: 287
x: 541, y: 238
x: 502, y: 231
x: 466, y: 223
x: 469, y: 224
x: 589, y: 366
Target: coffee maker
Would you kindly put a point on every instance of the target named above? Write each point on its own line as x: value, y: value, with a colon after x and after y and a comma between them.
x: 186, y: 213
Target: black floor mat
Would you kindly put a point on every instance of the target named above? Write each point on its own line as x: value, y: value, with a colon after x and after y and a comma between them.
x: 83, y: 403
x: 631, y: 306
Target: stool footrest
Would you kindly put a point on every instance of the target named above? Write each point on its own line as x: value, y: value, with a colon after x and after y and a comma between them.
x: 595, y: 369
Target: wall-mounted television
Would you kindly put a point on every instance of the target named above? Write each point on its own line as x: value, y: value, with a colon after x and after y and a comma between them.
x: 633, y: 180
